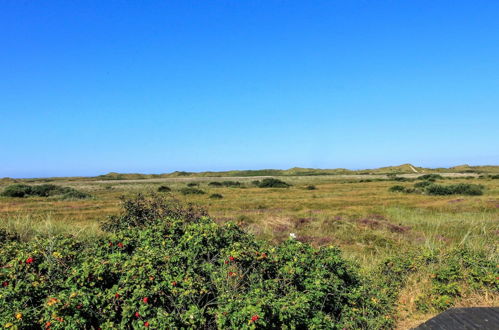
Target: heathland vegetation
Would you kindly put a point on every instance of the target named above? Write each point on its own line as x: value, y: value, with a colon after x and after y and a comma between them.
x: 340, y: 251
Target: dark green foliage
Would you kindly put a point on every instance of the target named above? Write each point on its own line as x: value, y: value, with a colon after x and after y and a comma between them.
x: 216, y: 196
x: 492, y: 177
x: 173, y: 272
x: 422, y: 184
x: 310, y: 187
x: 164, y: 189
x: 141, y: 211
x: 74, y: 194
x: 193, y: 184
x: 225, y: 184
x: 255, y: 183
x: 431, y: 188
x: 231, y: 183
x: 6, y: 237
x: 430, y: 177
x: 399, y: 178
x: 455, y: 189
x: 44, y: 190
x: 273, y: 183
x: 454, y: 271
x: 17, y: 190
x: 397, y: 188
x: 191, y: 191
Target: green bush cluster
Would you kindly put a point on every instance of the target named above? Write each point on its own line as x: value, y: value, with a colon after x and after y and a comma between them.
x: 191, y: 191
x: 452, y: 274
x: 224, y: 184
x: 422, y: 184
x: 162, y: 265
x: 397, y: 188
x: 430, y: 188
x: 272, y: 183
x: 44, y: 190
x: 430, y: 177
x: 216, y: 196
x: 455, y: 189
x: 164, y: 189
x: 490, y: 176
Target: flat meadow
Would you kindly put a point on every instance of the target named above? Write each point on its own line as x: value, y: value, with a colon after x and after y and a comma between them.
x: 411, y: 245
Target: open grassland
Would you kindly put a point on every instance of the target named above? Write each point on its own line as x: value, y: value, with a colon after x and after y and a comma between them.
x: 355, y: 212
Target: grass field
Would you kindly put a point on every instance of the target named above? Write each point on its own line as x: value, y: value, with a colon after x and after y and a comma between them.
x: 355, y: 212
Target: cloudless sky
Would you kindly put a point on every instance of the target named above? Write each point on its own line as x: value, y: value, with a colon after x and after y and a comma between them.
x: 89, y: 87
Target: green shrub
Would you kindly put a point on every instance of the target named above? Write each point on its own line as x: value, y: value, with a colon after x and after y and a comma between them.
x: 400, y: 178
x: 422, y: 184
x: 216, y: 196
x: 215, y: 184
x: 397, y: 188
x: 193, y: 184
x: 17, y: 190
x: 455, y: 189
x: 142, y: 211
x: 191, y: 191
x: 273, y: 183
x: 171, y: 272
x: 430, y: 177
x: 44, y: 190
x: 231, y: 183
x: 310, y: 187
x: 164, y: 189
x: 75, y: 194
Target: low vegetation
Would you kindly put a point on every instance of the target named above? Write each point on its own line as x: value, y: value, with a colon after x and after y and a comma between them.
x: 272, y: 183
x: 430, y: 188
x: 414, y: 253
x: 164, y: 266
x: 163, y: 188
x: 191, y: 191
x: 44, y: 190
x: 216, y: 196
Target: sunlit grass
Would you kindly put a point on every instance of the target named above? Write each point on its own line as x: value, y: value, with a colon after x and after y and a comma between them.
x: 364, y: 219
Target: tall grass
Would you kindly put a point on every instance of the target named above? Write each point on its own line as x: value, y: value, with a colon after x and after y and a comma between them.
x: 29, y: 226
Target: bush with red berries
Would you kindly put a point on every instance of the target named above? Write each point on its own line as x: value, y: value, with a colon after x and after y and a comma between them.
x: 163, y: 265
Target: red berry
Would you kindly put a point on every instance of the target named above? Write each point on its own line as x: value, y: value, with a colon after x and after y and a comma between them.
x: 4, y: 284
x: 120, y: 245
x: 146, y: 324
x: 137, y: 315
x: 110, y: 243
x: 145, y: 300
x: 117, y: 295
x: 30, y: 260
x: 254, y: 318
x: 174, y: 283
x: 231, y: 258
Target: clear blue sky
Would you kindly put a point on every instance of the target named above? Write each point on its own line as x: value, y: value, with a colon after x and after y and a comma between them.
x: 88, y: 87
